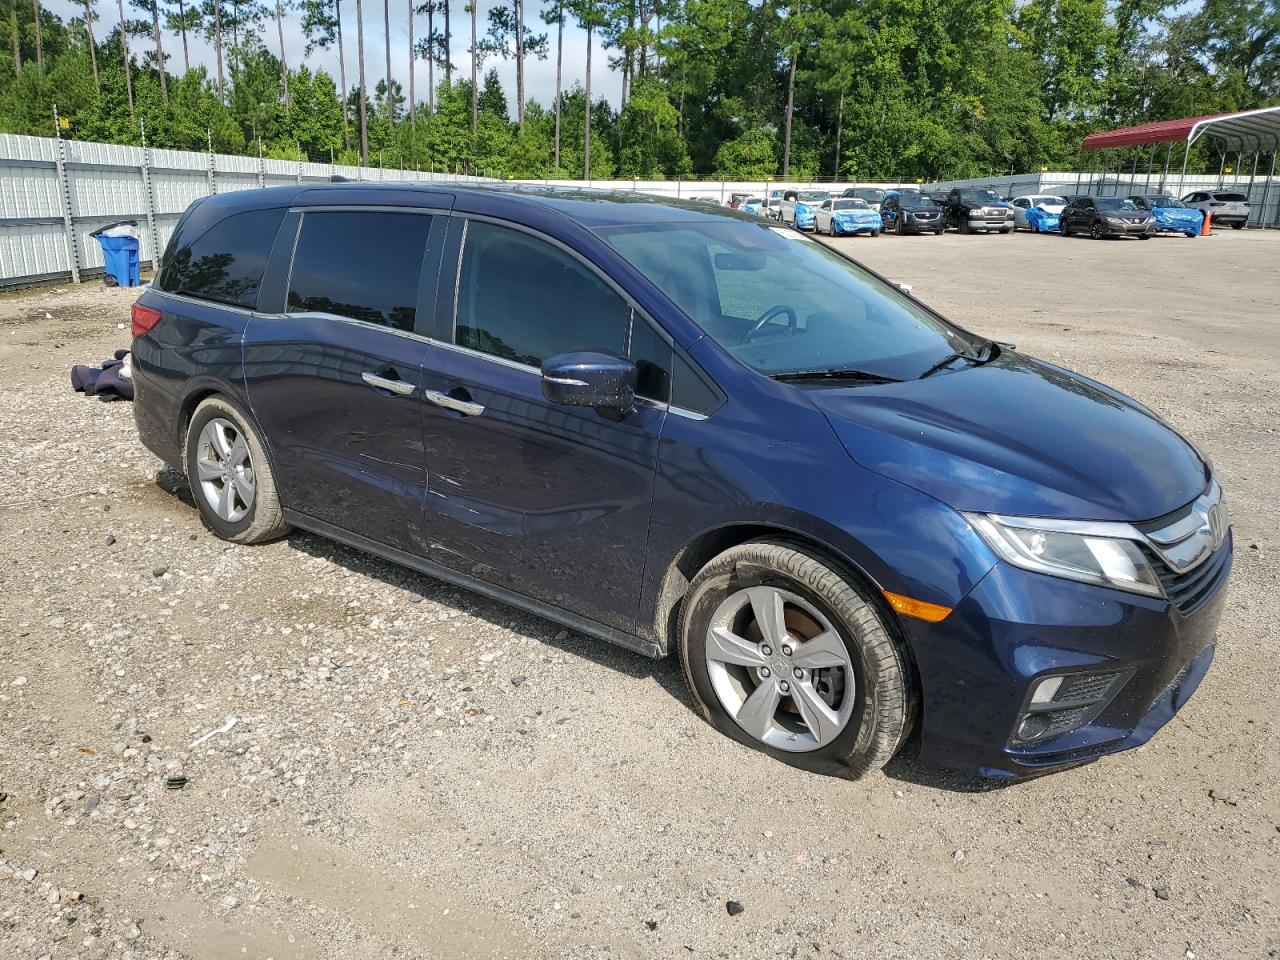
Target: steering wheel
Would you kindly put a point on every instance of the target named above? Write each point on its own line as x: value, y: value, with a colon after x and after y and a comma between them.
x: 792, y: 321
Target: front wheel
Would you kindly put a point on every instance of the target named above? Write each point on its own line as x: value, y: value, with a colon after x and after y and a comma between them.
x: 786, y: 654
x: 1095, y: 230
x: 230, y: 476
x: 1237, y: 226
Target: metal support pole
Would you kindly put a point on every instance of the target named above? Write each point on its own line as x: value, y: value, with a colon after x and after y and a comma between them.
x: 1164, y: 179
x: 68, y: 229
x: 1182, y: 180
x: 1119, y: 172
x: 1249, y: 193
x: 1266, y: 191
x: 1222, y: 165
x: 262, y: 166
x: 148, y: 191
x: 1151, y: 159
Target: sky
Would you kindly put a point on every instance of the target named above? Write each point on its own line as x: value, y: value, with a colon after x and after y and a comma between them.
x: 540, y: 75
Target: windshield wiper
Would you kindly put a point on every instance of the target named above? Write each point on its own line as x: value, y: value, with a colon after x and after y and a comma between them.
x: 986, y: 352
x: 838, y: 373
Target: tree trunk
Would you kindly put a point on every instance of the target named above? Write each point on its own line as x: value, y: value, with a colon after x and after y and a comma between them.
x: 519, y: 11
x: 628, y: 55
x: 235, y: 34
x: 364, y: 119
x: 412, y: 56
x: 284, y: 64
x: 475, y: 89
x: 586, y: 120
x: 182, y: 28
x: 124, y: 40
x: 93, y: 47
x: 35, y: 6
x: 16, y: 37
x: 431, y: 58
x: 386, y: 33
x: 559, y: 65
x: 839, y: 130
x: 448, y: 47
x: 342, y: 77
x: 791, y: 103
x: 155, y: 26
x: 217, y: 50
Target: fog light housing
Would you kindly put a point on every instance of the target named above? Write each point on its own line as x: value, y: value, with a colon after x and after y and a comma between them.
x: 1060, y: 703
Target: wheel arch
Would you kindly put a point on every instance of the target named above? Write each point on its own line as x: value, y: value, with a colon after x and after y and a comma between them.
x: 202, y: 389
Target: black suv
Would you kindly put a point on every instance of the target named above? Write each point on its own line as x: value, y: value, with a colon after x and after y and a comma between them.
x: 1107, y: 217
x: 911, y: 213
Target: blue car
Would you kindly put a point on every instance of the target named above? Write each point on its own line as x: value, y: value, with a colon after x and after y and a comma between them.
x: 842, y: 217
x: 695, y: 433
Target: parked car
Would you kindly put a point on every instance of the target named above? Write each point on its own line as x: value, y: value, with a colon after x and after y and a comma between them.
x: 799, y: 207
x: 1170, y: 214
x: 1047, y: 202
x: 873, y: 196
x: 685, y: 431
x: 1107, y: 217
x: 911, y: 212
x: 971, y: 210
x: 1229, y: 209
x: 845, y: 216
x: 752, y: 205
x: 769, y: 208
x: 736, y: 200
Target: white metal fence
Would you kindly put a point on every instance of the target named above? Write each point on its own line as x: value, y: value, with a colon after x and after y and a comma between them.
x: 54, y: 193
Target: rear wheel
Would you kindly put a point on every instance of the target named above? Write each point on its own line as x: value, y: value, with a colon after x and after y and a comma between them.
x: 230, y: 476
x: 786, y: 654
x: 1238, y: 226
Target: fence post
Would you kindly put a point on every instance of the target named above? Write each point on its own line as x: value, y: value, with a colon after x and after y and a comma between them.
x: 262, y: 167
x: 68, y: 230
x: 147, y: 189
x: 213, y: 181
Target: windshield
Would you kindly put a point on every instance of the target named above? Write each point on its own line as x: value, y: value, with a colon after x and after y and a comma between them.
x: 1115, y: 203
x: 1170, y: 202
x: 780, y: 302
x: 870, y: 194
x: 1049, y: 201
x: 849, y: 205
x: 913, y: 201
x: 818, y: 195
x: 978, y: 196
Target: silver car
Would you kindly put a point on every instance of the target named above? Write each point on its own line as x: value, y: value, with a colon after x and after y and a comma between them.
x: 1048, y: 202
x: 1229, y: 209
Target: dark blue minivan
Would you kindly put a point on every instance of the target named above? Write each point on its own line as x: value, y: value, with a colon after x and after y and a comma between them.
x: 689, y: 431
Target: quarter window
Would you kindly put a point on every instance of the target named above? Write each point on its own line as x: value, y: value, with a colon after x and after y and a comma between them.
x: 226, y: 262
x: 361, y: 264
x: 522, y: 299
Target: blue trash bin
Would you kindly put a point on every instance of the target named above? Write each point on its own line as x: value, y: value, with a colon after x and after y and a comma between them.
x: 120, y: 259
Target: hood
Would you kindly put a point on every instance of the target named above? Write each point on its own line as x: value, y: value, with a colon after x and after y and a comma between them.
x: 1020, y: 437
x: 1051, y: 207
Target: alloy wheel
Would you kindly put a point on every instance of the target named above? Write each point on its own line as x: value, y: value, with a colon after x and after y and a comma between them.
x: 225, y: 470
x: 780, y: 669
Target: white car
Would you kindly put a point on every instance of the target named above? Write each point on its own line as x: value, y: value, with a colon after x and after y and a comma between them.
x: 1229, y: 209
x: 1048, y: 202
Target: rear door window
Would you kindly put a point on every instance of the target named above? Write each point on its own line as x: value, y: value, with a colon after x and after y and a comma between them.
x: 361, y: 264
x: 225, y: 263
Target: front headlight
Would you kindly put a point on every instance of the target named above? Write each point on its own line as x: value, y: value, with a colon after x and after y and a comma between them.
x: 1104, y: 554
x: 1115, y: 220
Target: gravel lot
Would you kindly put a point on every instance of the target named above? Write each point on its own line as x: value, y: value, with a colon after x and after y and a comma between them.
x: 412, y: 770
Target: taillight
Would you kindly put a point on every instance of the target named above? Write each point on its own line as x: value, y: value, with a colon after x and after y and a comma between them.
x: 142, y: 319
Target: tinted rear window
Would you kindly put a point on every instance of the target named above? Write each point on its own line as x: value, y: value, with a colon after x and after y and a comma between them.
x: 226, y: 262
x: 360, y: 264
x: 1231, y: 197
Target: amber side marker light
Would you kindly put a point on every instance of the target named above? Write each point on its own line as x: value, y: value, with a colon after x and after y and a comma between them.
x: 921, y: 610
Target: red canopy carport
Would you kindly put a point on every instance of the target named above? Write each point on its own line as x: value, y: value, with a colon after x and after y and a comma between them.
x: 1246, y: 131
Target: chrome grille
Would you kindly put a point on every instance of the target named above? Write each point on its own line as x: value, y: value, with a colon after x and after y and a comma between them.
x: 1189, y: 591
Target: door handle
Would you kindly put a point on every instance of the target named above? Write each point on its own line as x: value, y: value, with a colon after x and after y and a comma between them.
x: 402, y: 387
x: 465, y: 407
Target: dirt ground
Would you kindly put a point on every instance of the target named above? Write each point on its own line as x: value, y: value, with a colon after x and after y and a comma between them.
x: 410, y: 770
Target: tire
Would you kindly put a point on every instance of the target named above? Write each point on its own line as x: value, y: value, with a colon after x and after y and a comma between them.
x: 861, y: 673
x: 1095, y: 230
x: 235, y: 510
x: 1237, y: 226
x: 1145, y: 236
x: 1007, y: 230
x: 963, y: 226
x: 897, y: 226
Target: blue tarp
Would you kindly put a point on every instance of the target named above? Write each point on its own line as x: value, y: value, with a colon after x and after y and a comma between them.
x: 856, y: 221
x: 1186, y: 220
x: 1042, y: 221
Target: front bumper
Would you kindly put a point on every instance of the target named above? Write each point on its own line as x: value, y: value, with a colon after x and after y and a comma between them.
x: 847, y: 229
x: 1128, y: 229
x: 978, y: 666
x: 912, y: 225
x: 990, y: 223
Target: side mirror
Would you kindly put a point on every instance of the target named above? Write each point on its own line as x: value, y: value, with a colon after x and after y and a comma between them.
x: 590, y: 378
